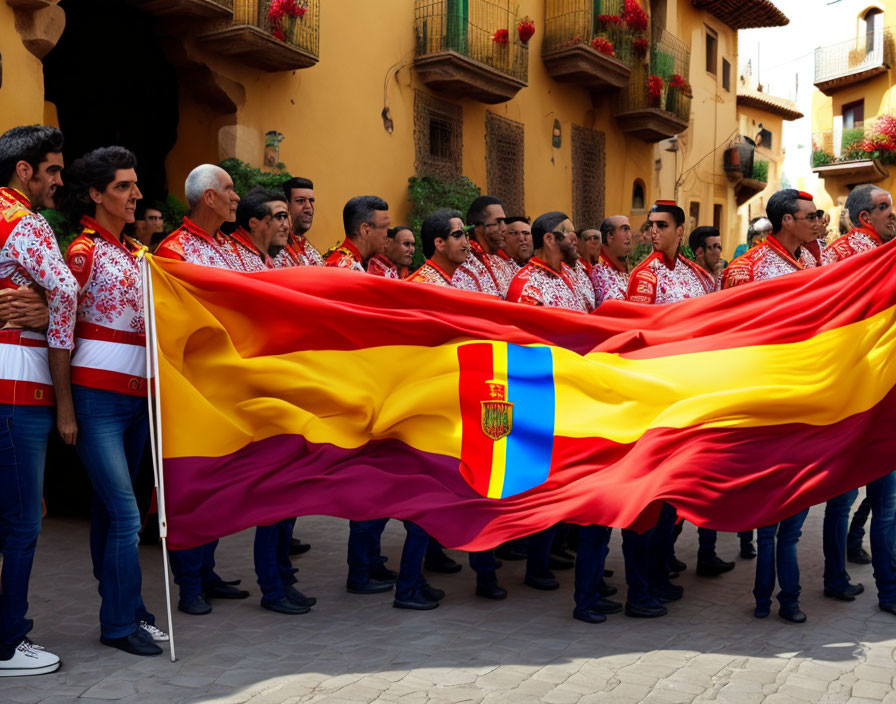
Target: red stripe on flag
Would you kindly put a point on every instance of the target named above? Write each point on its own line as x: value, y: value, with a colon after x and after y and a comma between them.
x: 476, y: 368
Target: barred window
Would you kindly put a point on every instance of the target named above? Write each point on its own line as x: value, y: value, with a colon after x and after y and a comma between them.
x: 588, y: 177
x: 438, y: 137
x: 504, y: 162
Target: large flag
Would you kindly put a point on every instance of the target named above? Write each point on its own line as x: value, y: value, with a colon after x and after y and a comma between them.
x: 318, y: 391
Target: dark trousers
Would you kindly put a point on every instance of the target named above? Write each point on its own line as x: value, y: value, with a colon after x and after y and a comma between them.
x: 857, y: 526
x: 706, y: 541
x: 194, y: 569
x: 636, y: 552
x: 363, y: 549
x: 882, y: 498
x: 410, y: 574
x: 834, y: 530
x: 483, y: 564
x: 538, y: 552
x: 590, y: 559
x: 272, y: 564
x: 776, y: 553
x: 662, y: 542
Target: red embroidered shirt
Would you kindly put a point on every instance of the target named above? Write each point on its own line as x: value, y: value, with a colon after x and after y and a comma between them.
x: 381, y: 265
x: 655, y: 281
x: 432, y: 273
x: 537, y: 284
x: 480, y: 266
x: 584, y: 286
x: 298, y: 252
x: 346, y: 256
x: 610, y: 282
x: 856, y: 241
x: 250, y: 257
x: 110, y: 345
x: 190, y: 243
x: 30, y: 256
x: 767, y: 260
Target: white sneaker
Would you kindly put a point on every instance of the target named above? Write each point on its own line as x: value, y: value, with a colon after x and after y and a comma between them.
x: 157, y: 634
x: 29, y: 659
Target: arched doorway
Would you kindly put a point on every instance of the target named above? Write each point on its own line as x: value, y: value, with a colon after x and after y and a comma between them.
x: 111, y: 84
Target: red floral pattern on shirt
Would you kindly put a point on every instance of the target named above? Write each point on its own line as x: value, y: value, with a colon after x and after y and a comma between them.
x: 610, y: 282
x: 539, y: 285
x: 854, y: 242
x: 381, y: 265
x: 298, y: 252
x: 653, y: 281
x: 346, y: 256
x: 190, y: 243
x: 767, y: 260
x: 29, y: 254
x: 432, y: 273
x: 584, y: 286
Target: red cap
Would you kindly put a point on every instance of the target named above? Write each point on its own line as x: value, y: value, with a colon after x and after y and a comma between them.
x: 666, y: 202
x: 805, y: 196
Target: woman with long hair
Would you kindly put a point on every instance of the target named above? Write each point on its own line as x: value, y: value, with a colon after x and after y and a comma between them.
x: 109, y: 385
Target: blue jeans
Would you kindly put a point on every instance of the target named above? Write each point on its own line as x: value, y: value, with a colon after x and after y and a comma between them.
x: 662, y: 546
x: 590, y: 559
x: 194, y: 569
x: 23, y: 449
x: 410, y: 574
x: 636, y: 552
x: 272, y: 564
x: 834, y: 530
x: 112, y: 431
x: 781, y: 557
x: 857, y: 526
x: 882, y: 499
x: 363, y: 549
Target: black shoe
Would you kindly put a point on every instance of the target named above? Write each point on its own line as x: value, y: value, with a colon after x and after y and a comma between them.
x: 299, y: 599
x: 234, y: 582
x: 491, y: 591
x: 747, y: 551
x: 889, y: 608
x: 793, y: 615
x: 545, y: 582
x: 446, y: 566
x: 135, y: 644
x: 606, y: 590
x: 381, y: 573
x: 432, y: 593
x: 510, y: 553
x: 372, y: 586
x: 667, y: 593
x: 647, y: 611
x: 858, y: 557
x: 588, y: 616
x: 605, y: 606
x: 558, y: 563
x: 848, y: 594
x: 713, y: 567
x: 762, y: 611
x: 676, y: 565
x: 418, y: 603
x: 608, y: 573
x: 297, y: 547
x: 195, y: 606
x: 285, y: 606
x: 225, y: 591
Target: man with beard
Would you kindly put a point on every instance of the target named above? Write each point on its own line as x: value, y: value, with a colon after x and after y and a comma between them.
x: 610, y: 272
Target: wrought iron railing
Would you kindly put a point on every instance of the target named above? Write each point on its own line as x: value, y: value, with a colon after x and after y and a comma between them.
x: 570, y: 22
x: 302, y: 32
x: 482, y: 30
x: 867, y: 51
x: 662, y: 80
x: 845, y: 144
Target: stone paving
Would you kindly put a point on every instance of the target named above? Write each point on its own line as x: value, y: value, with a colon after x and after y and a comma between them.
x: 524, y: 650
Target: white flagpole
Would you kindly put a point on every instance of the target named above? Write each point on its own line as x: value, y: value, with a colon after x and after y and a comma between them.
x: 155, y: 435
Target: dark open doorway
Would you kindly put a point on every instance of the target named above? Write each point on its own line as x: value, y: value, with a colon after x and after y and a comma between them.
x: 111, y: 84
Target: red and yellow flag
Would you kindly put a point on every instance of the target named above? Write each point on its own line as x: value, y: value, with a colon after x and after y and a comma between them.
x: 319, y: 391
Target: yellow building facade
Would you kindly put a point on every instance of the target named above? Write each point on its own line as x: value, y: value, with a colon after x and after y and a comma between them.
x: 359, y: 96
x: 854, y: 103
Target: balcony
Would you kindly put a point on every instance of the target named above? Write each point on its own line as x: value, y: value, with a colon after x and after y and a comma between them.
x: 570, y: 51
x: 853, y: 61
x: 854, y: 155
x: 656, y: 104
x: 470, y: 49
x: 267, y: 43
x: 188, y: 9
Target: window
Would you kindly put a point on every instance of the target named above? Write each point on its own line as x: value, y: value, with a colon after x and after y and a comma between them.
x: 726, y: 75
x: 638, y: 196
x: 658, y: 13
x: 438, y: 129
x: 504, y: 152
x: 588, y: 176
x: 712, y: 51
x: 717, y: 216
x: 853, y: 114
x: 764, y: 138
x: 874, y: 22
x: 694, y: 212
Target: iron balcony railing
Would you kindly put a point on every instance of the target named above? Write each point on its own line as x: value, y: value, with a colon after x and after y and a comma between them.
x: 302, y: 31
x: 867, y: 51
x: 570, y: 22
x: 845, y: 144
x: 669, y: 60
x: 482, y: 30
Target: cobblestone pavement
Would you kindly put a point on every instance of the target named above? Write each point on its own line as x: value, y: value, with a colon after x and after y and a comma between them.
x: 353, y: 648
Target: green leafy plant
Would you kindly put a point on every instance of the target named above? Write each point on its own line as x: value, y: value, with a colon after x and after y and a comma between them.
x: 821, y: 158
x: 64, y: 230
x: 246, y: 177
x: 760, y: 171
x: 173, y: 211
x: 852, y: 137
x: 428, y: 193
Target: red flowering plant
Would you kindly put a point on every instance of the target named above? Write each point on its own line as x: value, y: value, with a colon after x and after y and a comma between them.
x: 525, y: 28
x: 501, y: 36
x: 678, y: 83
x: 879, y: 142
x: 654, y: 90
x: 640, y: 46
x: 604, y: 46
x: 572, y: 42
x: 634, y: 16
x: 608, y: 20
x: 282, y: 12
